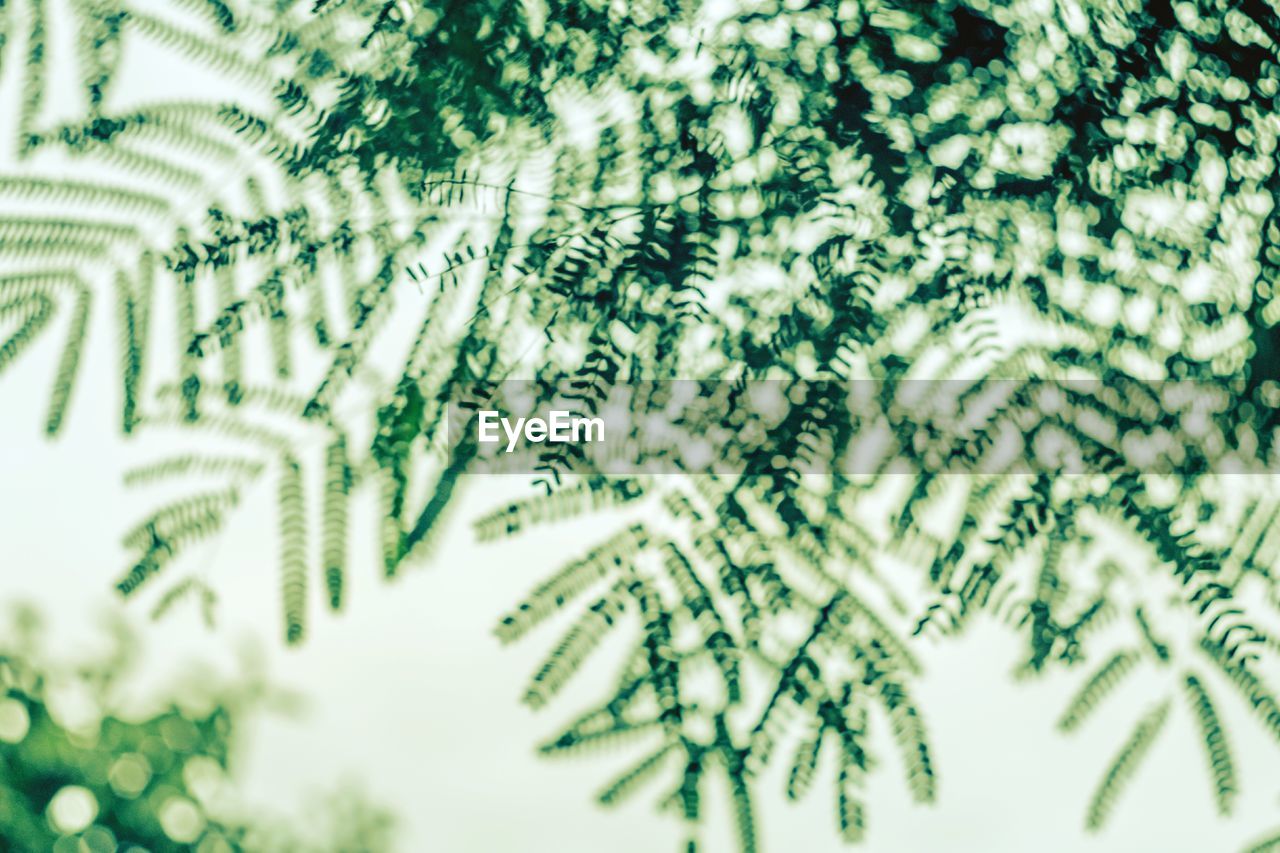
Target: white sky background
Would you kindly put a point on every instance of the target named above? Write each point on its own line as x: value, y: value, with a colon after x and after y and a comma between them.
x: 410, y: 695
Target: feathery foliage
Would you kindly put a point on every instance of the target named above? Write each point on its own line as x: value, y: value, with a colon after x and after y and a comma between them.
x: 431, y: 200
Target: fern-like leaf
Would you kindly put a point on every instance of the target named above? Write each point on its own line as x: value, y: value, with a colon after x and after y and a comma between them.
x: 293, y: 550
x: 337, y: 488
x: 1097, y: 687
x: 1217, y: 750
x: 626, y: 784
x: 1125, y: 765
x: 577, y: 644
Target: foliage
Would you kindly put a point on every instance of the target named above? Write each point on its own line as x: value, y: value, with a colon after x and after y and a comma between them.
x: 808, y: 193
x: 82, y: 771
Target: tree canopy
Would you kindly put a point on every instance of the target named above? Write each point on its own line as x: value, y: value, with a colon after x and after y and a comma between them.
x: 1074, y: 197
